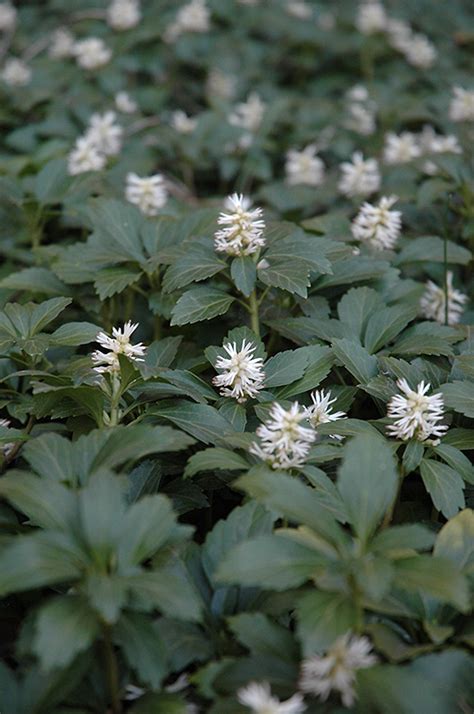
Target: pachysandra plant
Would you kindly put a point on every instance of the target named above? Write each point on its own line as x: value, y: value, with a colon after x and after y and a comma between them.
x: 236, y: 357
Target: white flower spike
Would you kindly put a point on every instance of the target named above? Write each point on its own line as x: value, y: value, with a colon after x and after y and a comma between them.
x: 258, y: 698
x: 321, y: 412
x: 92, y: 53
x: 336, y: 670
x: 148, y: 193
x: 304, y: 167
x: 416, y: 414
x: 242, y: 231
x: 360, y: 177
x: 123, y: 14
x: 284, y: 443
x: 401, y: 149
x: 104, y: 133
x: 118, y: 344
x: 241, y: 374
x: 462, y: 105
x: 378, y: 226
x: 85, y: 157
x: 433, y: 302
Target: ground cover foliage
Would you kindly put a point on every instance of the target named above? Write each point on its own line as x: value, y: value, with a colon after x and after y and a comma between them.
x: 236, y: 432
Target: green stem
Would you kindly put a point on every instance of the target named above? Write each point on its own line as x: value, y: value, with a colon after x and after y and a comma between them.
x: 111, y: 670
x: 115, y: 401
x: 253, y: 309
x: 446, y: 294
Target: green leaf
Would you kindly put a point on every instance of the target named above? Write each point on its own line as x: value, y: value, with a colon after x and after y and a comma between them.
x: 49, y: 505
x: 38, y: 560
x: 386, y: 324
x: 200, y: 420
x: 65, y: 626
x: 111, y: 281
x: 46, y: 312
x: 286, y: 367
x: 145, y: 528
x: 271, y: 562
x: 244, y: 274
x: 356, y: 359
x: 412, y: 455
x: 320, y: 362
x: 142, y: 647
x: 455, y: 541
x: 52, y: 457
x: 242, y: 523
x: 159, y: 354
x: 35, y: 280
x: 215, y: 458
x: 169, y: 591
x: 200, y: 304
x: 291, y: 498
x: 75, y: 333
x: 198, y: 262
x: 367, y: 482
x: 116, y: 236
x: 355, y: 308
x: 457, y: 460
x: 262, y: 636
x: 431, y: 248
x: 322, y: 618
x: 51, y: 183
x: 460, y: 397
x: 397, y: 540
x: 444, y: 485
x: 433, y: 576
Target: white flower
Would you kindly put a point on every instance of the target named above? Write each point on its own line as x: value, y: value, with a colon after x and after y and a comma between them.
x: 304, y: 167
x: 299, y: 9
x: 462, y: 105
x: 118, y: 344
x: 16, y: 73
x: 148, y: 193
x: 104, y: 133
x: 241, y: 374
x: 85, y: 157
x: 321, y: 411
x: 416, y: 415
x: 358, y: 93
x: 359, y: 178
x: 336, y: 670
x: 419, y: 51
x: 248, y: 115
x: 284, y: 443
x: 371, y: 18
x: 361, y: 119
x: 220, y: 85
x: 378, y: 225
x: 258, y: 697
x: 432, y: 143
x: 125, y: 103
x: 92, y: 53
x: 433, y: 302
x: 242, y: 232
x: 5, y: 423
x: 123, y: 14
x: 193, y: 17
x: 6, y: 448
x: 402, y: 148
x: 62, y: 44
x: 182, y: 123
x: 7, y: 16
x: 399, y: 33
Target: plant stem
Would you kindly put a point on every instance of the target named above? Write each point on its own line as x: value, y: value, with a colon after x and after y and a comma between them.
x: 253, y: 309
x: 112, y: 673
x: 114, y: 401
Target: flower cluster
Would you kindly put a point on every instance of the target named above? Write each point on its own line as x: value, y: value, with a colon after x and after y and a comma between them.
x: 462, y: 105
x: 433, y: 302
x: 361, y: 177
x: 119, y: 344
x: 248, y: 115
x: 401, y: 149
x: 193, y: 17
x: 92, y: 53
x: 16, y: 73
x: 241, y: 374
x: 378, y: 226
x: 257, y: 696
x: 123, y: 14
x: 102, y: 138
x: 148, y: 193
x: 284, y: 442
x: 361, y: 111
x: 182, y: 123
x: 416, y: 414
x: 304, y: 167
x: 371, y: 18
x: 320, y: 411
x: 62, y: 44
x: 8, y: 16
x: 242, y: 232
x: 299, y: 9
x: 336, y: 670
